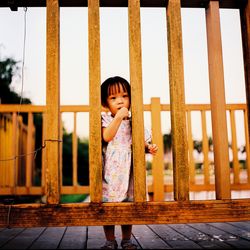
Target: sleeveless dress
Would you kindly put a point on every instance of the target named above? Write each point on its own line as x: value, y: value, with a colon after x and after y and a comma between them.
x: 117, y: 182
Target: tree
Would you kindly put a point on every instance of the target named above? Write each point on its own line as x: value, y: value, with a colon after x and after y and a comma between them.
x: 8, y: 69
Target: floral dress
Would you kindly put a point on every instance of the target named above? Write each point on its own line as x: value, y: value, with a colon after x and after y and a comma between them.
x: 117, y: 183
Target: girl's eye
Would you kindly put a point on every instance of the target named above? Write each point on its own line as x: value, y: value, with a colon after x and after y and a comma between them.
x: 125, y: 96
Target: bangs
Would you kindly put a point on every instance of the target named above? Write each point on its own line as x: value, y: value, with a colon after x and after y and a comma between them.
x: 117, y: 87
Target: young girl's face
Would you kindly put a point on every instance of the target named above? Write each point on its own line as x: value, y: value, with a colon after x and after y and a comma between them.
x: 118, y: 99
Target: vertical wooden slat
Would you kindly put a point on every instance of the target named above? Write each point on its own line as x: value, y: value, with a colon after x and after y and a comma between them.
x: 95, y: 160
x: 218, y: 106
x: 29, y: 156
x: 53, y: 103
x: 3, y: 139
x: 2, y: 156
x: 14, y: 150
x: 246, y: 125
x: 137, y: 101
x: 74, y: 150
x: 245, y: 31
x: 61, y: 152
x: 43, y: 151
x: 236, y: 167
x: 205, y: 147
x: 157, y: 163
x: 190, y: 149
x: 177, y: 101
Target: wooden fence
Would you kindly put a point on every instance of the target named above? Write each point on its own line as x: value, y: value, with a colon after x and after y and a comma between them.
x: 16, y: 141
x: 181, y: 210
x: 25, y: 169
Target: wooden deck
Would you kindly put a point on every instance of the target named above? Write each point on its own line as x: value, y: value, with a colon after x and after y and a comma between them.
x: 180, y: 236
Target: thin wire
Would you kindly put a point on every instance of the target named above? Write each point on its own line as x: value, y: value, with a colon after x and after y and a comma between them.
x: 13, y: 158
x: 32, y: 152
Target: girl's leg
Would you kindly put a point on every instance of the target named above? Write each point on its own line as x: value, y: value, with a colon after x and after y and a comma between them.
x: 126, y: 232
x: 109, y: 232
x: 126, y: 242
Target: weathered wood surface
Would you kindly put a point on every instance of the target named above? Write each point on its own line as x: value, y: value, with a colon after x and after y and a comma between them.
x: 182, y: 236
x: 177, y: 101
x: 94, y: 214
x: 218, y: 101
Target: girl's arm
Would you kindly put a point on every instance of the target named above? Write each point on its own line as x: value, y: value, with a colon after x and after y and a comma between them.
x: 151, y: 148
x: 109, y: 132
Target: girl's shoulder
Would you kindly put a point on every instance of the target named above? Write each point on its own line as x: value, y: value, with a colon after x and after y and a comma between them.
x: 106, y: 118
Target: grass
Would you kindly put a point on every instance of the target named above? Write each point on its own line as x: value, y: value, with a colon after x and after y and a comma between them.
x: 72, y: 198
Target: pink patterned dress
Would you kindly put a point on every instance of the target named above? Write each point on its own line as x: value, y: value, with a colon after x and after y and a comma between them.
x: 117, y: 183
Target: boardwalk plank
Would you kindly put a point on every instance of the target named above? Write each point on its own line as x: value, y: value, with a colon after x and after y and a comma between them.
x: 245, y: 234
x: 220, y: 235
x: 74, y: 238
x: 49, y: 239
x: 147, y: 239
x: 177, y: 236
x: 205, y: 240
x: 9, y: 233
x: 96, y: 237
x: 193, y: 238
x: 241, y: 224
x: 172, y: 237
x: 24, y: 239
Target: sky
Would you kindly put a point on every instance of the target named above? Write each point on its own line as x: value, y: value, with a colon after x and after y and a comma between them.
x: 115, y: 57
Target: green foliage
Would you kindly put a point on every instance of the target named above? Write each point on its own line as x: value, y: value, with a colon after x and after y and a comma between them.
x: 8, y: 69
x: 167, y: 142
x: 71, y: 198
x: 82, y: 160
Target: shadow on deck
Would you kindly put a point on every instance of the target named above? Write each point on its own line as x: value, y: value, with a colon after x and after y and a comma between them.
x: 179, y: 236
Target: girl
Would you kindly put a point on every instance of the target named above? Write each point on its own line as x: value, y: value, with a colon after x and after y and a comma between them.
x: 117, y: 140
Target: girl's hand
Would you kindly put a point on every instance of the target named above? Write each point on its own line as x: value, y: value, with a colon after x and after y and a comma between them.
x: 122, y: 113
x: 152, y: 149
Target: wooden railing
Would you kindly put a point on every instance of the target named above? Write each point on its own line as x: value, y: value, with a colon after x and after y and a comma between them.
x: 24, y: 167
x: 16, y: 141
x: 182, y: 209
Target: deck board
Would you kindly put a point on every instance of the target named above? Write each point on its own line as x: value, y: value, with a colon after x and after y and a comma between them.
x: 226, y: 235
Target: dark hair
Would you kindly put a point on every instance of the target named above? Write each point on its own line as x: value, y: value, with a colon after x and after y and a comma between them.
x: 111, y: 86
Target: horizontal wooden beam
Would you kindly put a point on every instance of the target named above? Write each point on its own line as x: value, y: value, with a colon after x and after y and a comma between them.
x: 80, y: 214
x: 122, y: 3
x: 9, y: 108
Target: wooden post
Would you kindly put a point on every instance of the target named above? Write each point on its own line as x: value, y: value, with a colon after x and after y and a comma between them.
x: 61, y: 151
x: 205, y: 147
x: 43, y: 151
x: 177, y: 101
x: 29, y: 157
x: 95, y: 155
x: 236, y: 166
x: 246, y: 125
x: 218, y: 105
x: 53, y: 103
x: 245, y: 31
x: 157, y: 164
x: 74, y: 150
x: 15, y: 134
x: 190, y: 149
x: 137, y: 101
